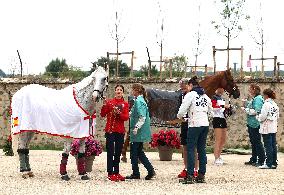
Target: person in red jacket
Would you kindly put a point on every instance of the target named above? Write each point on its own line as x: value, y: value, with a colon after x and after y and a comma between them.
x: 117, y: 112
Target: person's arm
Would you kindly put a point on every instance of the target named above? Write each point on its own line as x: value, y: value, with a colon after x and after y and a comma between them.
x: 124, y: 115
x: 264, y: 113
x: 142, y: 112
x: 183, y: 109
x: 106, y: 108
x: 257, y: 105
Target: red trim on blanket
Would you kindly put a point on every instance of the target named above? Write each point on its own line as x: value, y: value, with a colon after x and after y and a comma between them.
x: 91, y: 130
x: 36, y: 131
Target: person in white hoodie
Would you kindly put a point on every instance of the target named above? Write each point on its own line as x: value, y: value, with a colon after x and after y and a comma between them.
x: 197, y: 104
x: 268, y: 127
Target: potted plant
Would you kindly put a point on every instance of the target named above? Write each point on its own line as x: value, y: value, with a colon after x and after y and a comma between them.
x: 165, y: 141
x: 92, y: 148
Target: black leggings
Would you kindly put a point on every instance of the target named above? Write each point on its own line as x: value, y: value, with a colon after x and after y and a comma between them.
x: 114, y: 144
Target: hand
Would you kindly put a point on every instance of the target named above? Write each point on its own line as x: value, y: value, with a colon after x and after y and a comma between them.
x: 135, y: 130
x: 116, y: 110
x: 227, y: 106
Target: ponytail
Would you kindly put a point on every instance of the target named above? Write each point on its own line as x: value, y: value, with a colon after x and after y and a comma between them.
x: 271, y: 94
x: 141, y: 90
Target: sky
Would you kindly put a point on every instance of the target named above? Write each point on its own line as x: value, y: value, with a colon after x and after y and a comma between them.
x: 81, y: 31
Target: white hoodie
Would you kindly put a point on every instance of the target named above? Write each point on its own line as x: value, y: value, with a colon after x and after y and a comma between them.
x: 198, y: 107
x: 268, y: 117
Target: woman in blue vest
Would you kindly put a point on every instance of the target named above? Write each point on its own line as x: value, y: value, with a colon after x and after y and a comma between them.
x: 139, y: 133
x: 253, y: 108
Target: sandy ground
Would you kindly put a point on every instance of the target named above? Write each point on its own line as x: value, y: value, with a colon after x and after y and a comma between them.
x: 232, y: 178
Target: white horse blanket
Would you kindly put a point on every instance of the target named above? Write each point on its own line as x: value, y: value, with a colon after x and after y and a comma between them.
x: 45, y: 110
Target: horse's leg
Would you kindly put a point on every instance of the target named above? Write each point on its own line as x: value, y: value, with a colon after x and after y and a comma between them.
x: 23, y: 152
x: 64, y: 160
x: 125, y: 146
x: 81, y: 165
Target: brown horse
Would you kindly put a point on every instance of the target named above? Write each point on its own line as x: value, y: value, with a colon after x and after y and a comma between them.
x: 223, y: 80
x: 164, y: 105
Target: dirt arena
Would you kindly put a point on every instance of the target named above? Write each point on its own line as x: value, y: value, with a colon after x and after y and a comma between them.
x: 232, y: 178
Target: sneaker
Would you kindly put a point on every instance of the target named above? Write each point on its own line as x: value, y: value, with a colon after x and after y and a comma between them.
x: 182, y: 174
x: 274, y: 167
x: 264, y: 166
x: 150, y: 175
x: 200, y: 178
x: 112, y: 177
x: 195, y: 174
x: 132, y: 177
x: 218, y: 162
x: 120, y: 177
x: 188, y: 180
x: 250, y: 163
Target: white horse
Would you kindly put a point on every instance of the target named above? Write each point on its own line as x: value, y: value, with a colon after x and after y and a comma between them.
x: 69, y: 112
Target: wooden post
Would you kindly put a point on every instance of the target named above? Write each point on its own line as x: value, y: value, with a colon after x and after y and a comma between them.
x: 242, y: 59
x: 278, y: 70
x: 20, y: 63
x: 132, y: 58
x: 275, y: 63
x: 206, y: 69
x: 108, y: 65
x: 171, y: 68
x: 214, y: 59
x: 161, y: 59
x: 149, y: 62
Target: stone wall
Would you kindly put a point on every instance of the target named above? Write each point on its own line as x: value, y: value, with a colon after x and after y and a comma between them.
x: 237, y: 130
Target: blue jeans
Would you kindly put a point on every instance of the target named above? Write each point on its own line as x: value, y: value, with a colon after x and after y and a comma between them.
x: 136, y: 152
x: 196, y: 138
x: 269, y: 141
x: 256, y: 145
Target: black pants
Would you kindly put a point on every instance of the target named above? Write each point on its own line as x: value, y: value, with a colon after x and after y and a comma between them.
x: 114, y: 144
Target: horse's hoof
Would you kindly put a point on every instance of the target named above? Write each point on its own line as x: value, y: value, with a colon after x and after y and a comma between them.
x: 31, y: 174
x: 85, y: 177
x: 25, y: 175
x: 65, y: 177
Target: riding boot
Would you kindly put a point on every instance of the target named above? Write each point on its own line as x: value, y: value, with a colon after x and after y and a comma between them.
x: 63, y: 164
x: 27, y: 160
x: 81, y: 166
x: 22, y: 158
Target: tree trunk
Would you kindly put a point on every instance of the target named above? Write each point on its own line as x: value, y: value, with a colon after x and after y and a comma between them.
x: 228, y: 50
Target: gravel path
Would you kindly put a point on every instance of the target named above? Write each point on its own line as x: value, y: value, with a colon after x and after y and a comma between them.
x: 232, y: 178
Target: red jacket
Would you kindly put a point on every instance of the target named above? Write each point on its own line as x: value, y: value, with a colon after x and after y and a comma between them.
x: 115, y: 122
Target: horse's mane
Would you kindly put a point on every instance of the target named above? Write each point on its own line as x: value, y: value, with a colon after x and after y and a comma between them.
x: 88, y: 80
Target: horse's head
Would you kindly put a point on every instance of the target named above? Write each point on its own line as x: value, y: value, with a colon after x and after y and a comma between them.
x: 229, y: 85
x: 100, y: 79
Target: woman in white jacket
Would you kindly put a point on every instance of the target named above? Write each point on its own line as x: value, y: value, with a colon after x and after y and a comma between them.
x: 197, y: 104
x: 268, y: 128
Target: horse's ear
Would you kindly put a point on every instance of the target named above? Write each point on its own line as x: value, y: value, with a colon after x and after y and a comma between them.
x: 94, y: 65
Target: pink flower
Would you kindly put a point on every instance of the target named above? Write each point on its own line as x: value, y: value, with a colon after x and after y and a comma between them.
x: 92, y: 147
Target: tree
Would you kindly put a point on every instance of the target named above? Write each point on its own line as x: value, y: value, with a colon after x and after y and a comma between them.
x: 231, y: 15
x: 258, y: 36
x: 55, y: 67
x: 179, y: 64
x: 124, y: 70
x: 143, y: 71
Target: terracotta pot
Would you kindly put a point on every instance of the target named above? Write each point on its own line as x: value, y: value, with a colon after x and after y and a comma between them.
x: 165, y: 153
x: 89, y: 162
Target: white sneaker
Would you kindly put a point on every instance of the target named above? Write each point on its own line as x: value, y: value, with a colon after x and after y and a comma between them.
x: 264, y: 166
x: 218, y: 162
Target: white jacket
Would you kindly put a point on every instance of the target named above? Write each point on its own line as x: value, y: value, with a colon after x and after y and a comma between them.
x: 268, y: 117
x: 197, y: 107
